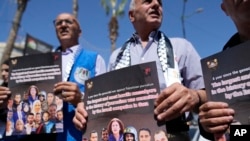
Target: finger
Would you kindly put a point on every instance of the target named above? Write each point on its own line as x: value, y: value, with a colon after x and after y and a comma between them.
x: 217, y: 113
x: 64, y: 84
x: 77, y: 123
x: 171, y: 112
x: 164, y: 95
x: 2, y: 97
x: 213, y: 105
x: 81, y: 109
x: 164, y: 105
x: 5, y: 92
x: 218, y: 129
x: 217, y: 120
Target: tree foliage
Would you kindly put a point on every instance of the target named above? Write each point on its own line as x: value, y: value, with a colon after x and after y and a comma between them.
x: 116, y: 10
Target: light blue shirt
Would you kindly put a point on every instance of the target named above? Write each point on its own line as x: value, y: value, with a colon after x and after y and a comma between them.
x: 185, y: 54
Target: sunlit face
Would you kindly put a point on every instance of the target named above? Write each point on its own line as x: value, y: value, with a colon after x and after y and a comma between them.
x: 147, y: 13
x: 105, y: 135
x: 115, y: 127
x: 144, y: 135
x: 129, y: 137
x: 5, y: 72
x: 67, y: 29
x: 93, y: 136
x: 160, y: 137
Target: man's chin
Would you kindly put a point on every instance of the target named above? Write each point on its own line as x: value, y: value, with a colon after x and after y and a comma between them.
x: 65, y: 37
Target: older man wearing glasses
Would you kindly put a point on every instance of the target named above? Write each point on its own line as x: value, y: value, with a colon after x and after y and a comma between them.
x: 78, y: 65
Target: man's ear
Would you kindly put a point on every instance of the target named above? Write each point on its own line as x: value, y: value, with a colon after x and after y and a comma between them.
x: 79, y: 32
x: 131, y: 15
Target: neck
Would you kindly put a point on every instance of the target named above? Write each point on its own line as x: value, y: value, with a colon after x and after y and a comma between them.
x: 64, y: 46
x: 144, y: 36
x: 144, y: 31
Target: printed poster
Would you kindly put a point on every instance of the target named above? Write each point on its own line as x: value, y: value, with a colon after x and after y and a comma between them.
x: 125, y: 96
x: 227, y: 78
x: 33, y: 108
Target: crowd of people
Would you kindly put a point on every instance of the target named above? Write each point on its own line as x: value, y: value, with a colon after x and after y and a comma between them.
x: 179, y: 72
x: 34, y: 113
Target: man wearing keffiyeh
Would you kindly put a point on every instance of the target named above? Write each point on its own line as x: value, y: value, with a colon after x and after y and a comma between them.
x: 178, y: 65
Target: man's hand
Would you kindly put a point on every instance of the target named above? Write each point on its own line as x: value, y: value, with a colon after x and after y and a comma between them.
x: 4, y: 94
x: 215, y: 117
x: 174, y: 101
x: 70, y: 92
x: 80, y: 118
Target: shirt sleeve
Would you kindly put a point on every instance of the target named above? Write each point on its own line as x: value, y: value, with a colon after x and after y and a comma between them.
x: 100, y: 65
x: 188, y: 63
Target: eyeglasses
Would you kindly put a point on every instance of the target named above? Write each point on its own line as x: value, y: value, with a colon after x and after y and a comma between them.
x: 60, y: 22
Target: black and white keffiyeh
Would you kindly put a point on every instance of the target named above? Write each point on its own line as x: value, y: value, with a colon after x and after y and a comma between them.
x: 164, y: 51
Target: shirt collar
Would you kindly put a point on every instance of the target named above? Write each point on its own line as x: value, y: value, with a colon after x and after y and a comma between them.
x: 68, y: 50
x: 152, y: 36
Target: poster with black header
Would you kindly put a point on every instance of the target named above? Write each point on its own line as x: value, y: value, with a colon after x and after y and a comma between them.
x: 123, y: 98
x: 227, y: 79
x: 33, y: 108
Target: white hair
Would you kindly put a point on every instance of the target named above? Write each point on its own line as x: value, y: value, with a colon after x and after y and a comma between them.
x: 132, y: 5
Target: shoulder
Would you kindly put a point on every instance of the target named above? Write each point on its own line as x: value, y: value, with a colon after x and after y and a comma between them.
x: 178, y: 41
x: 113, y: 57
x: 88, y: 54
x: 182, y: 46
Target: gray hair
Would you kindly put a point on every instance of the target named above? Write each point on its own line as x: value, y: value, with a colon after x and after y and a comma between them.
x: 132, y: 5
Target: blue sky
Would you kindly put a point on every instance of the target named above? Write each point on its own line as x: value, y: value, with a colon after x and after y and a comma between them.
x: 207, y: 31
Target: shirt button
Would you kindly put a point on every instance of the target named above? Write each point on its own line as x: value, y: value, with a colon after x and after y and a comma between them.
x: 142, y: 58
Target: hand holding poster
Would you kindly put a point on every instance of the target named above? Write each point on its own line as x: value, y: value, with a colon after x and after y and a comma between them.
x: 227, y: 79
